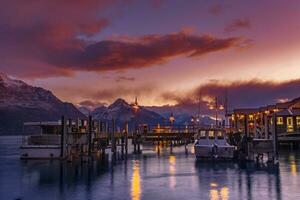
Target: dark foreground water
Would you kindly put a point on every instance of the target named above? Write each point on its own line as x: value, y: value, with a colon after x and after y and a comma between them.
x: 165, y: 177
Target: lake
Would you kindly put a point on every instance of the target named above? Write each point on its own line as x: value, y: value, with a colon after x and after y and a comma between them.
x: 148, y: 176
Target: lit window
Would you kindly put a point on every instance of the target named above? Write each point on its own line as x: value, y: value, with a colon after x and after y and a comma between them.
x: 298, y: 121
x: 289, y: 122
x: 211, y: 134
x: 251, y: 117
x: 202, y: 134
x: 279, y: 120
x: 220, y: 135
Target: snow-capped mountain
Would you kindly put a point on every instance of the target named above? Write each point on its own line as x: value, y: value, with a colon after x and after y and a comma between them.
x: 123, y: 112
x: 20, y: 102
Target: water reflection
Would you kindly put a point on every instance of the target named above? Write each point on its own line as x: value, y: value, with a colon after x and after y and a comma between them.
x: 224, y: 193
x: 293, y: 165
x: 175, y: 176
x: 216, y: 193
x: 172, y: 171
x: 136, y: 181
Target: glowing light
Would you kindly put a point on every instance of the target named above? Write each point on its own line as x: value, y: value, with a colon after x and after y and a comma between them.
x: 224, y: 193
x: 214, y: 194
x: 136, y: 182
x: 213, y: 185
x: 221, y: 107
x: 172, y: 170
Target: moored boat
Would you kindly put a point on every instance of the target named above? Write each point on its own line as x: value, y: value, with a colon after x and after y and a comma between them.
x: 212, y: 144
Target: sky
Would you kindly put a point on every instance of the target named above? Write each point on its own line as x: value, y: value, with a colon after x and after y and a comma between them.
x: 165, y: 52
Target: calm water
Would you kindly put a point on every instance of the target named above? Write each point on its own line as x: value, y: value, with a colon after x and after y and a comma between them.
x: 174, y: 176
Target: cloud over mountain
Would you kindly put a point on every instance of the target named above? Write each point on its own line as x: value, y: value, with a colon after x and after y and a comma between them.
x: 53, y: 38
x: 253, y: 93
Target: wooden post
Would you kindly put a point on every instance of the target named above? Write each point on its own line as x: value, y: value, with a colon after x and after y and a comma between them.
x: 90, y: 136
x: 266, y: 126
x: 275, y: 140
x: 185, y: 146
x: 246, y: 135
x: 113, y: 140
x: 62, y: 139
x: 126, y: 138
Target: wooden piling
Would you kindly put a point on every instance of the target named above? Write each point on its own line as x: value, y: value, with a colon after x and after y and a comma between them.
x: 126, y: 138
x: 113, y: 139
x: 275, y: 140
x: 90, y: 136
x: 62, y: 139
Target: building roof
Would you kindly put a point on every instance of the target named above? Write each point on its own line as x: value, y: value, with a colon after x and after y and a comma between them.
x: 245, y: 111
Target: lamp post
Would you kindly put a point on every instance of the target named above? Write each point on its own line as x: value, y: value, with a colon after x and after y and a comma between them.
x: 172, y: 120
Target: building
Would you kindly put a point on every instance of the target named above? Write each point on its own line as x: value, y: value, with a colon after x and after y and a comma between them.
x: 262, y: 122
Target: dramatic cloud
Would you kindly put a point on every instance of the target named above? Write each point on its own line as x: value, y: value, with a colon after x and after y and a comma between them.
x: 138, y: 52
x: 31, y: 30
x: 51, y: 38
x: 240, y: 94
x: 238, y: 24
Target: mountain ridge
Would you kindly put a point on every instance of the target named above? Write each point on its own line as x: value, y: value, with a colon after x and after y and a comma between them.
x: 21, y: 102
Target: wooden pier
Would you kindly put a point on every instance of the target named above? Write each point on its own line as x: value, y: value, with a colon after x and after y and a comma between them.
x: 87, y: 139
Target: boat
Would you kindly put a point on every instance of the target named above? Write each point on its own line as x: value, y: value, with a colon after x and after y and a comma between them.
x: 45, y: 144
x: 45, y: 139
x: 212, y: 144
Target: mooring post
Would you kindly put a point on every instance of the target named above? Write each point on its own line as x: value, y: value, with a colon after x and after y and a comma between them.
x: 246, y: 135
x: 139, y: 138
x: 185, y: 146
x: 275, y: 140
x: 113, y: 140
x: 126, y: 138
x: 90, y: 137
x: 62, y: 138
x: 134, y: 140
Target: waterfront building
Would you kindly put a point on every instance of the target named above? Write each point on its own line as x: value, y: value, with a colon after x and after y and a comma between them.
x: 260, y: 122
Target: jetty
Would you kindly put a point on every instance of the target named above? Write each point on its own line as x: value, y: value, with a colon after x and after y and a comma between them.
x: 87, y: 139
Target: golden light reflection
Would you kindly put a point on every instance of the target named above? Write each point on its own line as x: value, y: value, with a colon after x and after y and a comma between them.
x: 136, y: 182
x: 293, y: 165
x: 214, y: 194
x: 172, y: 170
x: 224, y: 193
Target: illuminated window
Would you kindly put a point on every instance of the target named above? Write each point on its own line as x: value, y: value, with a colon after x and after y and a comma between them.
x: 289, y: 124
x: 298, y: 121
x: 219, y: 133
x: 202, y: 134
x: 211, y: 134
x: 251, y: 117
x: 279, y: 120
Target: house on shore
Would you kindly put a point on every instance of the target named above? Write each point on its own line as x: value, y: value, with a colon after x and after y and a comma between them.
x: 263, y: 121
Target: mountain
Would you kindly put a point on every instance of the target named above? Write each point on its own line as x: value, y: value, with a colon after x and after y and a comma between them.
x: 20, y: 102
x: 84, y: 110
x: 123, y: 112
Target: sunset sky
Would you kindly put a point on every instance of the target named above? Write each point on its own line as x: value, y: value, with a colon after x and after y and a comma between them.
x: 163, y: 51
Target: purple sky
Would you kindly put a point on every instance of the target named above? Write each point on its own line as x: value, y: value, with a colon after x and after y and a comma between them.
x: 97, y: 51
